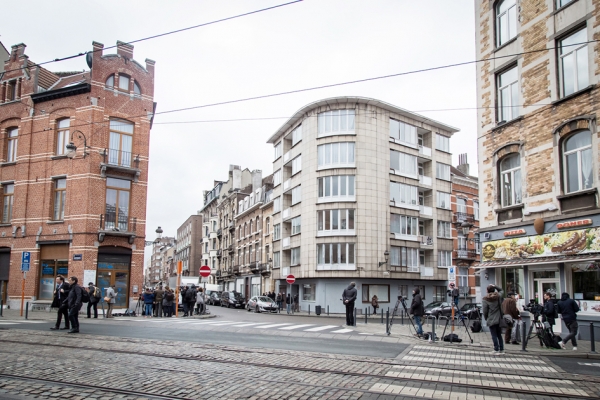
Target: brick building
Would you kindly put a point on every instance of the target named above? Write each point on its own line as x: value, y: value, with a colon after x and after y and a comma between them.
x: 538, y: 145
x: 74, y: 172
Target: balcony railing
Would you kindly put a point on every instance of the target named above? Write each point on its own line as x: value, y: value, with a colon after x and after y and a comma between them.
x: 119, y: 157
x: 425, y: 151
x: 219, y: 233
x: 426, y: 240
x: 425, y: 180
x: 465, y: 254
x: 117, y: 223
x: 219, y: 253
x: 425, y: 210
x: 231, y: 226
x: 463, y: 217
x: 236, y: 270
x: 230, y: 249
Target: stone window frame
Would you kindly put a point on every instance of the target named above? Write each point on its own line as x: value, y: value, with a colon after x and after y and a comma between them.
x: 497, y: 156
x: 65, y: 131
x: 559, y: 70
x: 497, y: 74
x: 497, y: 43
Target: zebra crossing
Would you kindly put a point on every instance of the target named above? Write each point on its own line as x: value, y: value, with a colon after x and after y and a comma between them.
x: 243, y: 324
x: 20, y: 321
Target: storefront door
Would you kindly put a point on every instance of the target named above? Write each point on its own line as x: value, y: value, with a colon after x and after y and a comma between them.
x: 120, y: 279
x: 545, y: 281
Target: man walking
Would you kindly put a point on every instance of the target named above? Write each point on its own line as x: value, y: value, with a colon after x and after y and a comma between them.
x: 60, y: 301
x: 417, y: 310
x: 288, y: 302
x: 94, y: 299
x: 279, y: 300
x: 349, y: 297
x: 110, y: 300
x: 74, y: 303
x: 296, y: 303
x: 549, y: 312
x: 509, y: 307
x: 568, y: 309
x: 492, y: 313
x: 159, y: 295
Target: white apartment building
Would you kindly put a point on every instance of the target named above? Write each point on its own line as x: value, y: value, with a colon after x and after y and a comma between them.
x: 361, y: 193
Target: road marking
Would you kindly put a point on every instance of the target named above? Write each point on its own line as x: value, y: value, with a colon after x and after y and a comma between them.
x: 25, y: 321
x: 370, y: 334
x: 590, y: 364
x: 253, y: 323
x: 342, y: 331
x: 8, y: 323
x: 321, y: 328
x: 271, y: 326
x: 223, y: 323
x: 289, y: 328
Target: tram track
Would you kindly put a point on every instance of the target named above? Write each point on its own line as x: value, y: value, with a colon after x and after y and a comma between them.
x: 393, y: 379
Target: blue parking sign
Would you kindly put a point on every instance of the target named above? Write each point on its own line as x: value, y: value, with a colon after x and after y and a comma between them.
x: 25, y: 261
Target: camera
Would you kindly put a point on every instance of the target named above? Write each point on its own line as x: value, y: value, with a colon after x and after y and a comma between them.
x: 534, y: 308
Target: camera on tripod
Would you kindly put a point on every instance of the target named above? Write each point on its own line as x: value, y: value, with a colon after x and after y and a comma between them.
x: 534, y: 308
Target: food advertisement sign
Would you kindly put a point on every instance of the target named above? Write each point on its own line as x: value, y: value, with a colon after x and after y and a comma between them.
x: 579, y: 241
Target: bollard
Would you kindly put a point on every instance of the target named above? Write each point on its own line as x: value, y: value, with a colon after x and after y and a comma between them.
x: 366, y: 315
x: 592, y: 339
x: 354, y: 316
x: 26, y: 310
x: 309, y: 309
x: 432, y: 329
x: 1, y: 307
x: 387, y: 322
x: 103, y: 315
x: 523, y: 337
x: 402, y: 317
x: 328, y: 310
x: 382, y: 316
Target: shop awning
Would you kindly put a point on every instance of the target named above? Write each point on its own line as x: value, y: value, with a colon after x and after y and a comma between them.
x: 537, y: 261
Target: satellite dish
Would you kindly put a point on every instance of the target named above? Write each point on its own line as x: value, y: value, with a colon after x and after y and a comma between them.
x: 88, y: 59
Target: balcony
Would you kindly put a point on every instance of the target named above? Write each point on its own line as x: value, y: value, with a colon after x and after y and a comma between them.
x: 231, y: 227
x: 424, y: 151
x: 230, y: 249
x: 219, y: 253
x: 426, y: 240
x: 264, y: 269
x: 112, y: 224
x: 219, y: 233
x: 462, y: 217
x: 237, y: 270
x: 254, y: 267
x: 464, y: 254
x: 425, y: 180
x: 425, y: 210
x: 285, y: 243
x: 120, y: 161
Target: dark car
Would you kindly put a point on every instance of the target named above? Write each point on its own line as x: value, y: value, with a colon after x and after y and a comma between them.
x: 214, y: 298
x: 444, y: 309
x: 471, y: 310
x: 232, y: 299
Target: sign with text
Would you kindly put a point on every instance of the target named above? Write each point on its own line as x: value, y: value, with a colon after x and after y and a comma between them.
x: 452, y: 274
x: 25, y: 261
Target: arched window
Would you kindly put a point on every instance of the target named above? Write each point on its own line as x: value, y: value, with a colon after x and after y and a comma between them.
x: 506, y: 21
x: 577, y: 162
x: 124, y: 82
x: 510, y: 180
x: 12, y: 141
x: 62, y: 136
x: 257, y: 224
x: 251, y: 226
x: 110, y: 81
x: 268, y: 226
x: 136, y: 88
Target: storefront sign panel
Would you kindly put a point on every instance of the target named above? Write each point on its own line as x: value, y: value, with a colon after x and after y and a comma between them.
x: 550, y: 244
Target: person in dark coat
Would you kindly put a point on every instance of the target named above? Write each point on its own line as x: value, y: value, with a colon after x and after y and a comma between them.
x: 296, y: 303
x: 549, y: 311
x: 288, y: 303
x: 568, y: 309
x: 509, y: 307
x: 158, y: 300
x: 349, y: 297
x: 491, y: 307
x: 148, y: 301
x: 60, y: 301
x: 417, y: 310
x: 74, y: 303
x: 94, y: 300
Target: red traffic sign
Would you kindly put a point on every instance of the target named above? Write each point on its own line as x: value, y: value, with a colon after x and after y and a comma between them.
x: 290, y: 279
x: 204, y: 271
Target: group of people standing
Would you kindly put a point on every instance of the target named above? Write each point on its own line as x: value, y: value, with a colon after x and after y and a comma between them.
x: 160, y: 303
x: 292, y: 303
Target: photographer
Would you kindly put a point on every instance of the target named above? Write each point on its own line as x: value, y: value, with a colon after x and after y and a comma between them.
x: 453, y: 293
x: 492, y: 313
x: 417, y: 310
x: 549, y: 312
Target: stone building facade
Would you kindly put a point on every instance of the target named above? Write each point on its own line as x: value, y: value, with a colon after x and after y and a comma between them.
x: 538, y: 147
x: 74, y: 172
x: 189, y: 245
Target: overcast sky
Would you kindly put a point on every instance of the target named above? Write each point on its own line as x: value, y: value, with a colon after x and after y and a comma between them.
x: 307, y: 44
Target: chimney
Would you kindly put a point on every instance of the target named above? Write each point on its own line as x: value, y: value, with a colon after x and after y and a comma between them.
x: 124, y: 50
x: 17, y: 51
x: 463, y: 165
x: 237, y: 179
x: 256, y: 179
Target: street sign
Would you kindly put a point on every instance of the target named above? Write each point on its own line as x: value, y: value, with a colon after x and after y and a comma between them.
x: 452, y: 274
x: 290, y: 279
x: 25, y: 261
x: 204, y: 271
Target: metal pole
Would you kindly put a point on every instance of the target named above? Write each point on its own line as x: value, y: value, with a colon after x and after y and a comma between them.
x: 402, y: 317
x: 382, y: 316
x: 27, y: 310
x: 1, y: 307
x: 328, y: 310
x: 592, y: 338
x: 23, y: 291
x: 309, y: 309
x: 433, y: 329
x: 387, y: 321
x: 523, y: 337
x: 103, y: 314
x: 366, y: 316
x: 354, y: 316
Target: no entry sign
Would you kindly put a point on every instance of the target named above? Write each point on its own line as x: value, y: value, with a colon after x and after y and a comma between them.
x: 290, y: 279
x: 204, y: 271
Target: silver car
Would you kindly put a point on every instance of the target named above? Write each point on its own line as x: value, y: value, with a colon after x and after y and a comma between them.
x: 260, y: 304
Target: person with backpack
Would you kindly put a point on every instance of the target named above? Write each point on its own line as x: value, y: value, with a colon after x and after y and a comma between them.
x: 167, y: 302
x: 95, y: 295
x: 148, y: 301
x: 549, y: 312
x: 188, y: 298
x: 159, y: 294
x: 509, y: 308
x: 568, y: 309
x: 417, y: 310
x: 279, y: 299
x: 492, y: 312
x: 110, y: 300
x: 74, y: 302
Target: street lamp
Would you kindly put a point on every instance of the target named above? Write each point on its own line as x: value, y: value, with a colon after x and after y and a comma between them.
x: 72, y: 149
x: 386, y: 254
x: 466, y: 227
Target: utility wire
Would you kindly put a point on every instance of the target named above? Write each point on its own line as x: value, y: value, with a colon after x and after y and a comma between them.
x: 162, y: 34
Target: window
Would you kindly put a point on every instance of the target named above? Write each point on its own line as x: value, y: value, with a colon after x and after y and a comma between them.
x: 295, y: 257
x: 403, y: 163
x: 296, y: 225
x: 278, y: 150
x: 110, y: 81
x: 296, y: 165
x: 334, y: 121
x: 296, y: 135
x: 442, y: 171
x: 562, y: 3
x: 7, y: 202
x: 439, y: 293
x: 276, y: 205
x: 276, y: 259
x: 444, y: 229
x: 124, y: 82
x: 574, y: 62
x: 268, y: 226
x: 578, y: 162
x: 404, y: 225
x: 334, y: 187
x: 444, y: 258
x: 510, y: 180
x: 462, y: 278
x: 117, y: 204
x: 461, y: 205
x: 251, y: 227
x: 309, y: 291
x: 62, y: 136
x: 508, y: 95
x: 442, y: 143
x: 49, y: 270
x: 403, y: 290
x: 136, y: 88
x: 506, y: 21
x: 335, y: 221
x: 296, y: 195
x: 335, y: 154
x: 476, y: 210
x: 119, y: 147
x: 60, y: 195
x: 403, y: 132
x: 461, y: 241
x: 405, y: 257
x: 443, y: 200
x: 277, y: 232
x: 277, y: 178
x: 11, y: 148
x: 381, y: 291
x: 335, y: 256
x: 404, y: 194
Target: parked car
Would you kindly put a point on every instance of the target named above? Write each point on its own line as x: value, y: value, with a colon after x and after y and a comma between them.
x: 232, y: 299
x: 260, y: 304
x: 439, y: 308
x: 471, y: 310
x: 214, y: 298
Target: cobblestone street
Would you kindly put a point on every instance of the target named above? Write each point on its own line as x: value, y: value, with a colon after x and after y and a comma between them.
x: 45, y: 365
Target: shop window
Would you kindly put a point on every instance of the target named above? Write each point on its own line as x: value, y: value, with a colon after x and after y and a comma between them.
x: 309, y: 291
x: 381, y: 291
x: 50, y: 270
x: 439, y: 293
x: 586, y: 283
x: 513, y: 280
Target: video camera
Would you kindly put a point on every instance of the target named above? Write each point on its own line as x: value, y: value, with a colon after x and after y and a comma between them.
x: 534, y: 308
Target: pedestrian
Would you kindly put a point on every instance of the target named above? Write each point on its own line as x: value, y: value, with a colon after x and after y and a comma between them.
x: 110, y: 299
x: 349, y: 297
x: 279, y: 299
x: 417, y: 310
x: 148, y: 301
x: 94, y: 299
x: 288, y: 303
x: 159, y: 295
x: 375, y: 303
x: 189, y: 300
x: 492, y: 312
x: 167, y: 302
x: 568, y: 309
x: 60, y: 301
x: 183, y: 292
x: 549, y: 311
x: 296, y: 303
x: 509, y: 308
x: 74, y: 303
x: 200, y: 303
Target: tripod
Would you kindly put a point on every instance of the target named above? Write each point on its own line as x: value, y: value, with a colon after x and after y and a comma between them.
x: 462, y: 319
x: 139, y: 306
x: 401, y: 300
